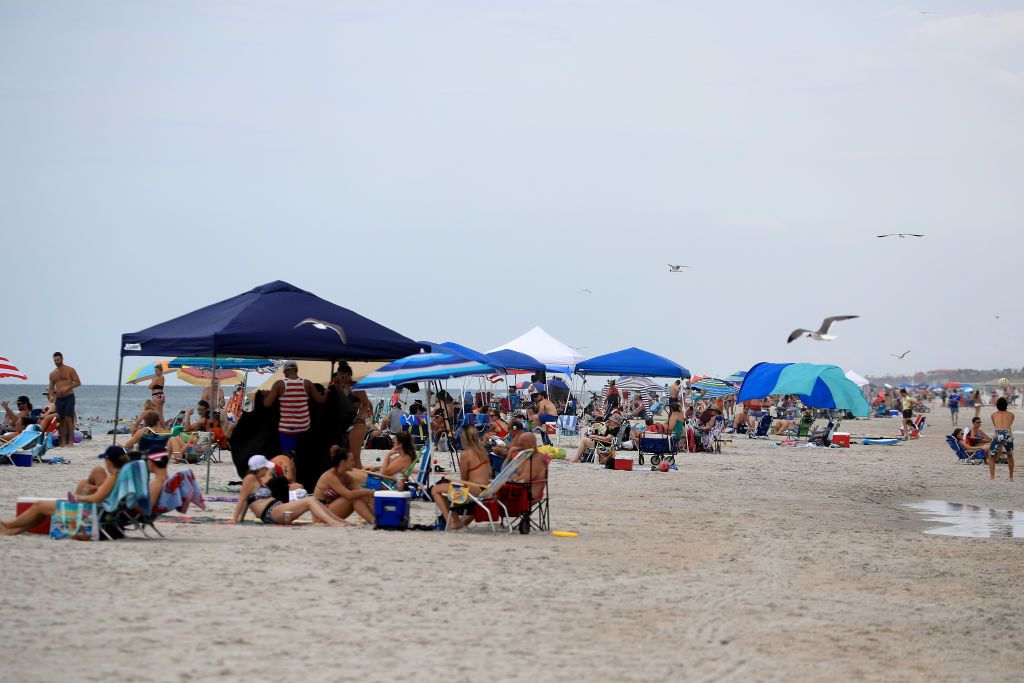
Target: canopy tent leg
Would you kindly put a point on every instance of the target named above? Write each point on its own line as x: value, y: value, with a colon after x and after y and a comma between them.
x: 117, y: 403
x: 214, y: 401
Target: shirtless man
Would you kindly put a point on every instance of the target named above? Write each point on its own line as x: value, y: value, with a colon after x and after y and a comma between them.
x: 63, y: 382
x: 673, y: 391
x: 1002, y: 420
x: 546, y: 409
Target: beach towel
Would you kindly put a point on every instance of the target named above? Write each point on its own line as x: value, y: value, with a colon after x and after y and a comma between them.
x: 179, y: 492
x: 131, y: 489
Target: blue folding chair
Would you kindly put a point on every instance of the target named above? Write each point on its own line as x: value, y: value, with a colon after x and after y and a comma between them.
x: 963, y: 456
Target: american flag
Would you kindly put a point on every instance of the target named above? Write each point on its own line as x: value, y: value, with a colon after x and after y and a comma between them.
x: 8, y: 369
x: 495, y: 378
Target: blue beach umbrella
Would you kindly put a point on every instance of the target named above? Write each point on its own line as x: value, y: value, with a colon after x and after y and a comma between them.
x: 819, y: 386
x: 244, y: 364
x: 420, y: 367
x: 712, y: 386
x: 737, y: 377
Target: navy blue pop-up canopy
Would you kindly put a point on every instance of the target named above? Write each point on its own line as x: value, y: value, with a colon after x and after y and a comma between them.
x: 632, y: 361
x: 518, y: 361
x: 275, y: 320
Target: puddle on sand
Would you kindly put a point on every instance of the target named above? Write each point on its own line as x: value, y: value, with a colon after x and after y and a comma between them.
x: 975, y: 521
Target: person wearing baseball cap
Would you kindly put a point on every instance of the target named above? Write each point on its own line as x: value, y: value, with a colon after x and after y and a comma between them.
x: 263, y: 495
x: 156, y: 461
x: 293, y: 395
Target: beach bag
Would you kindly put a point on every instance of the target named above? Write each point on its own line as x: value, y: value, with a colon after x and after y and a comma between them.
x: 77, y: 521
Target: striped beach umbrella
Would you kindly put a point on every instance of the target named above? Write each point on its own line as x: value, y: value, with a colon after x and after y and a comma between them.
x: 9, y: 369
x: 712, y: 386
x: 421, y: 367
x: 736, y: 377
x: 146, y: 372
x: 202, y: 377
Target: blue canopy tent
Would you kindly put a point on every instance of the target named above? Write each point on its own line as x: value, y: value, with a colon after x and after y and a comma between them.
x: 275, y: 320
x: 819, y: 386
x: 516, y: 362
x: 632, y: 361
x: 243, y: 364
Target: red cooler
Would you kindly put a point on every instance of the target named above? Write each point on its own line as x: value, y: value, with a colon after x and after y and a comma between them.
x: 43, y: 528
x: 624, y: 462
x: 841, y: 439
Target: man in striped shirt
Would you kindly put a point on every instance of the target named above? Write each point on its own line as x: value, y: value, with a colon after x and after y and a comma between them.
x: 292, y: 394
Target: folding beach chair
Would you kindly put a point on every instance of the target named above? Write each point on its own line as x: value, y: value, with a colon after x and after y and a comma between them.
x: 128, y: 505
x: 488, y: 507
x: 21, y: 442
x: 566, y: 425
x: 523, y: 510
x: 962, y: 455
x: 764, y: 423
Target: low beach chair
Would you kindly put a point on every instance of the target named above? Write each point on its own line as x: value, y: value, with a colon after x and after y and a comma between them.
x: 128, y: 505
x: 764, y: 423
x: 962, y: 455
x: 566, y: 425
x: 27, y: 439
x: 488, y: 506
x: 523, y: 510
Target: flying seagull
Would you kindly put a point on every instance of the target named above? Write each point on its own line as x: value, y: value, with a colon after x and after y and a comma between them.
x: 822, y: 333
x: 321, y: 325
x: 676, y: 269
x: 901, y: 356
x: 923, y: 12
x: 901, y: 235
x: 586, y: 291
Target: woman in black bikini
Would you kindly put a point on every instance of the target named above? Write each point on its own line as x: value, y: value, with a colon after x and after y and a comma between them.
x: 156, y: 387
x: 257, y: 497
x: 354, y: 408
x: 339, y: 492
x: 474, y: 469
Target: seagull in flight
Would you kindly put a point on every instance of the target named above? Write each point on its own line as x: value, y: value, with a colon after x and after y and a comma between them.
x: 676, y: 269
x: 901, y: 356
x: 321, y: 325
x: 923, y: 12
x: 901, y: 235
x: 821, y: 334
x: 586, y: 291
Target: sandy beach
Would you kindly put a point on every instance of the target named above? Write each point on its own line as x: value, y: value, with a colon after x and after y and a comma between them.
x: 761, y: 563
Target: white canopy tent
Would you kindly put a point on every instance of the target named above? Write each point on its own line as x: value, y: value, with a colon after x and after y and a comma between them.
x: 543, y: 347
x: 856, y: 379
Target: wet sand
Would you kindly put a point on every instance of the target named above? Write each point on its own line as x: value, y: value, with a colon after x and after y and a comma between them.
x: 759, y: 563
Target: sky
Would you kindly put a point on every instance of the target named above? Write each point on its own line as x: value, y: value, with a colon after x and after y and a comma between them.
x: 464, y: 170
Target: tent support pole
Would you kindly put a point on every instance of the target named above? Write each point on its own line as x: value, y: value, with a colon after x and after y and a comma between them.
x: 215, y: 402
x: 117, y: 402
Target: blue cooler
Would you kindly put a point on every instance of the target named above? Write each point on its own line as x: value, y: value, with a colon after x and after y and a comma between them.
x: 391, y: 508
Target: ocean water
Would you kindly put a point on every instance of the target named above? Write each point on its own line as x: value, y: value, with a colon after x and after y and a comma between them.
x: 95, y: 404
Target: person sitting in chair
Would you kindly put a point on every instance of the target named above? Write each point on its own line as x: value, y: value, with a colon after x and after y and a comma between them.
x: 741, y: 424
x: 396, y: 461
x: 976, y: 437
x: 475, y: 473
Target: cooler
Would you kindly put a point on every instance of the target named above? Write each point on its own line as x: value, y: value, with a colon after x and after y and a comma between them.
x: 624, y: 462
x: 841, y: 439
x: 43, y: 528
x: 480, y: 513
x: 391, y: 508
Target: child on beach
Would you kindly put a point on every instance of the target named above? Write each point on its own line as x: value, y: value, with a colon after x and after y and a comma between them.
x: 1002, y: 420
x: 953, y: 401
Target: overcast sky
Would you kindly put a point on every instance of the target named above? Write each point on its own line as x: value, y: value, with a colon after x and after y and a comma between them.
x: 461, y: 170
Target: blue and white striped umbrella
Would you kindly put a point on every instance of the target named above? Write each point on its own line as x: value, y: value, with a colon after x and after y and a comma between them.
x: 712, y: 386
x: 420, y: 367
x: 736, y: 377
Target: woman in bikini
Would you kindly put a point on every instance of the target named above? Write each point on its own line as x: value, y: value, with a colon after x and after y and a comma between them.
x: 156, y: 388
x: 114, y: 459
x: 474, y: 470
x: 256, y: 497
x: 337, y: 490
x: 397, y: 460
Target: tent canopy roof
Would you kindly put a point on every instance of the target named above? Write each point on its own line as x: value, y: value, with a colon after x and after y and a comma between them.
x: 819, y: 386
x: 267, y: 322
x: 543, y: 347
x: 632, y: 361
x: 517, y: 361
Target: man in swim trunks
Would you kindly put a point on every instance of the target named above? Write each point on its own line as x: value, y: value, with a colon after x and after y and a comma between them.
x: 546, y: 409
x: 1002, y: 420
x: 953, y: 402
x: 63, y: 382
x: 907, y: 406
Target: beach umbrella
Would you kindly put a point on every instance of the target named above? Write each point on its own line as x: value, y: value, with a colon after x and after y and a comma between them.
x: 952, y: 385
x: 736, y: 377
x: 9, y: 369
x: 819, y: 386
x: 420, y: 367
x: 261, y: 365
x: 638, y: 384
x: 146, y: 373
x: 202, y: 377
x: 966, y: 387
x: 712, y: 386
x: 856, y: 379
